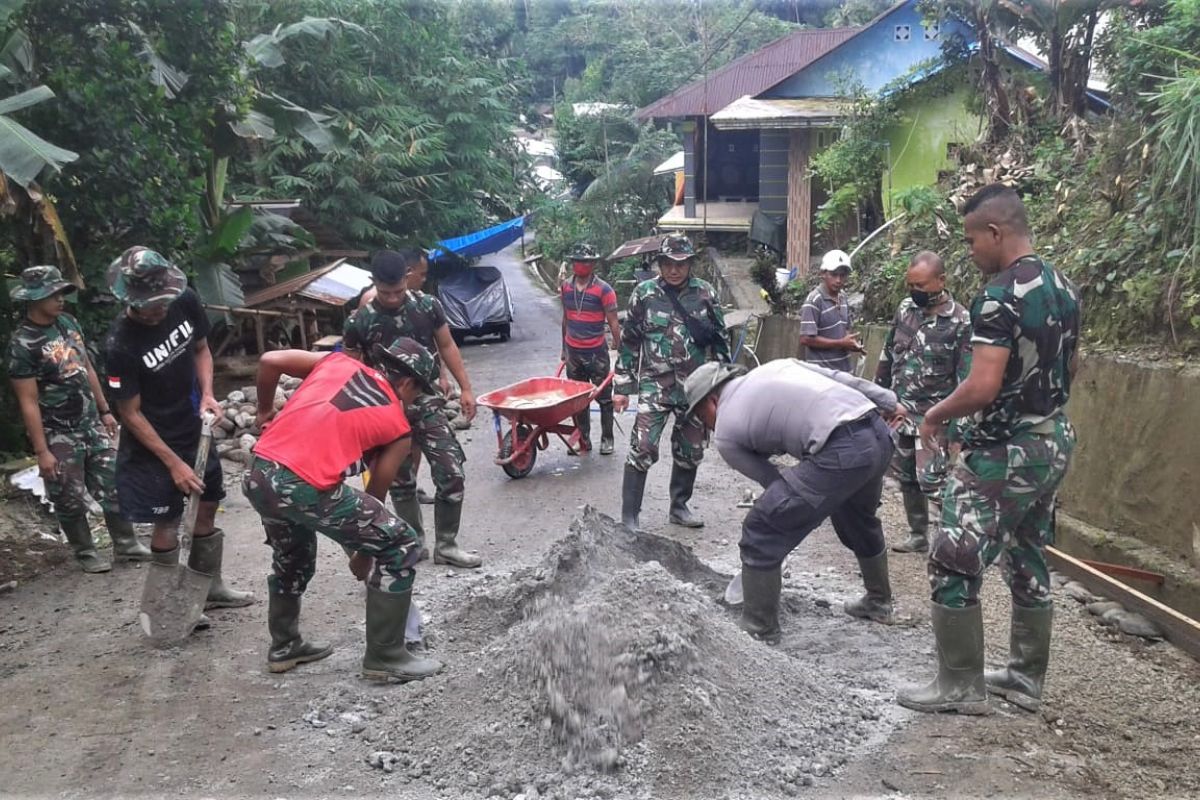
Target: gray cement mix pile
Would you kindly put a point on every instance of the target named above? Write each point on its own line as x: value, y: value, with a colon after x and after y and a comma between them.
x: 611, y: 670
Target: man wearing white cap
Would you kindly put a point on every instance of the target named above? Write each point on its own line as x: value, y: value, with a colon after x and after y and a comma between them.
x: 825, y: 317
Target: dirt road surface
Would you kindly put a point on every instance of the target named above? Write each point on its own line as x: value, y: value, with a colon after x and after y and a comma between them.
x: 580, y: 664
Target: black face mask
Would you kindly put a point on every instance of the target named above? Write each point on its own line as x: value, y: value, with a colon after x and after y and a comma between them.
x: 923, y: 299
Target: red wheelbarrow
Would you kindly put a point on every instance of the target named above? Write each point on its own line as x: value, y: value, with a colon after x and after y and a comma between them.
x: 536, y: 408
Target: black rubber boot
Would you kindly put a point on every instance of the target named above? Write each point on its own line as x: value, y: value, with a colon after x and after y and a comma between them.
x: 126, y: 546
x: 386, y: 657
x: 206, y: 556
x: 288, y: 648
x: 1020, y: 683
x: 760, y: 602
x: 683, y: 481
x: 606, y: 429
x: 583, y: 421
x: 916, y: 508
x: 79, y: 536
x: 171, y: 559
x: 410, y: 511
x: 446, y: 520
x: 959, y: 685
x: 633, y: 488
x: 876, y: 604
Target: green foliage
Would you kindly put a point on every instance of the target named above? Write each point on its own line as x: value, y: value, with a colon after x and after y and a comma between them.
x: 919, y: 202
x: 852, y: 165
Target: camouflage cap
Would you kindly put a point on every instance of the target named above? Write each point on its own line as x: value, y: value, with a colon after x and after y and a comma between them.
x: 141, y: 278
x: 38, y: 283
x: 408, y: 358
x: 583, y: 252
x: 677, y: 247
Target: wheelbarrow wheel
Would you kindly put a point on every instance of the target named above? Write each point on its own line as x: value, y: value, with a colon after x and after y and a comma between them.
x: 523, y: 465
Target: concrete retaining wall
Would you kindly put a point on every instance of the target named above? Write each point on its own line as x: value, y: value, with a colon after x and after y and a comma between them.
x: 1136, y: 471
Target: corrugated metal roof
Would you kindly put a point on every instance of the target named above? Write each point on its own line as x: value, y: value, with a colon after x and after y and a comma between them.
x: 748, y: 113
x: 752, y: 73
x: 334, y: 284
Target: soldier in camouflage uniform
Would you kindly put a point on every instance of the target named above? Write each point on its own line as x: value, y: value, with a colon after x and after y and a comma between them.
x: 295, y: 483
x: 60, y: 397
x: 398, y: 312
x: 927, y: 349
x: 674, y: 325
x: 999, y: 501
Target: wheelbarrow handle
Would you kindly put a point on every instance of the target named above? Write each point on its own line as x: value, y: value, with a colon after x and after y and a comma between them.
x: 604, y: 384
x: 561, y: 366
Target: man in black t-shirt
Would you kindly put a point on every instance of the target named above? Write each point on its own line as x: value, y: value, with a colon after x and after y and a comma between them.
x: 160, y: 372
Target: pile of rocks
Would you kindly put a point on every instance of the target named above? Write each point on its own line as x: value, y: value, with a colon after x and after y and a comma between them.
x: 1007, y: 169
x: 237, y: 432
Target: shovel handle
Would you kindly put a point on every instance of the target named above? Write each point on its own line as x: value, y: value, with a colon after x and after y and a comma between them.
x: 193, y: 501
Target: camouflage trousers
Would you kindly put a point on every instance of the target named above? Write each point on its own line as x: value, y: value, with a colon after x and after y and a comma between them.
x: 687, y: 437
x: 87, y: 463
x: 433, y: 435
x: 294, y: 511
x: 913, y: 464
x: 999, y: 501
x: 592, y: 366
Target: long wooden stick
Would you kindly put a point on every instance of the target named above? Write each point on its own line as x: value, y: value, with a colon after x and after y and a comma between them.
x: 1181, y: 630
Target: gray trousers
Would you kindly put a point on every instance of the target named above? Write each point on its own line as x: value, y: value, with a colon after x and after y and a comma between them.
x: 842, y: 482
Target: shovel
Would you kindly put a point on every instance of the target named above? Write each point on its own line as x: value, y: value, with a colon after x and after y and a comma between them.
x: 174, y: 595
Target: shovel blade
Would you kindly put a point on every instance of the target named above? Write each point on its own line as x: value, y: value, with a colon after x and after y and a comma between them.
x: 172, y: 601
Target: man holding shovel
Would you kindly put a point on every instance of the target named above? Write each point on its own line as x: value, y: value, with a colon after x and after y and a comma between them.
x: 160, y: 372
x: 295, y: 483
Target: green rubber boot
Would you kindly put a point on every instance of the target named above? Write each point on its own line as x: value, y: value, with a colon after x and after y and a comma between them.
x: 288, y: 648
x: 386, y: 657
x: 446, y: 520
x: 916, y: 508
x: 959, y: 685
x: 79, y: 535
x: 876, y: 604
x: 760, y: 602
x: 683, y: 483
x: 409, y: 510
x: 126, y: 546
x: 633, y: 488
x: 1020, y: 683
x: 206, y: 556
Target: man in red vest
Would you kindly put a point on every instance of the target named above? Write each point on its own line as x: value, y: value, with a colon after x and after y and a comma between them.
x: 343, y: 411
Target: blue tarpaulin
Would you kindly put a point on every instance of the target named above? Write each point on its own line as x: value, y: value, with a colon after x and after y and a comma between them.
x: 480, y: 243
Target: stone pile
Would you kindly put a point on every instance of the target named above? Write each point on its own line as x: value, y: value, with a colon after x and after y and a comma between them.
x: 1007, y: 169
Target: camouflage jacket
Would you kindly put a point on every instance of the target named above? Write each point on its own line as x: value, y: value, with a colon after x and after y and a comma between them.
x: 1031, y: 310
x: 56, y: 356
x: 925, y: 355
x: 419, y: 318
x: 657, y: 351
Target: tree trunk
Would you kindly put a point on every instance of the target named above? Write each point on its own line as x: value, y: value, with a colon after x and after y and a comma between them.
x: 1000, y: 118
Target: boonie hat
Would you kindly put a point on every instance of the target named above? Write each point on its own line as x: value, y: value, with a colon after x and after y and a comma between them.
x: 142, y: 277
x: 583, y: 252
x: 677, y: 247
x: 408, y: 358
x: 706, y: 379
x: 835, y: 260
x: 38, y: 283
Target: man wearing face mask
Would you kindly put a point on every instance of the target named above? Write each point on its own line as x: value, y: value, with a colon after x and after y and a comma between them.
x: 589, y: 304
x: 926, y: 352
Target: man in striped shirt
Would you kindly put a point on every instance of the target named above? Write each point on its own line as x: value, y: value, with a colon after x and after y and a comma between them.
x: 825, y: 317
x: 588, y: 305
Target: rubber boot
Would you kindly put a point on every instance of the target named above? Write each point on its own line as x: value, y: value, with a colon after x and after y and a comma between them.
x: 633, y: 488
x: 206, y: 556
x: 288, y: 648
x: 959, y: 685
x: 410, y: 511
x: 916, y: 508
x: 386, y: 657
x: 876, y: 604
x: 1020, y: 683
x: 126, y: 546
x: 79, y: 535
x: 683, y: 481
x: 583, y: 421
x: 171, y: 559
x: 424, y: 497
x: 760, y: 602
x: 446, y: 520
x: 606, y: 429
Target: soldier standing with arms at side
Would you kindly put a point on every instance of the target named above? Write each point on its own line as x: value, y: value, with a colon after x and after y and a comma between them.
x: 395, y: 313
x: 160, y: 372
x: 927, y: 348
x: 825, y: 317
x: 999, y: 501
x: 67, y: 417
x: 588, y: 305
x: 674, y: 325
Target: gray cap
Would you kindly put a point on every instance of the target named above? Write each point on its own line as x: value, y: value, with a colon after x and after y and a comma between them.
x: 708, y: 377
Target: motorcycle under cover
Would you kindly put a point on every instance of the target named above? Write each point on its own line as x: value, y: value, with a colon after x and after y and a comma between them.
x: 474, y: 297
